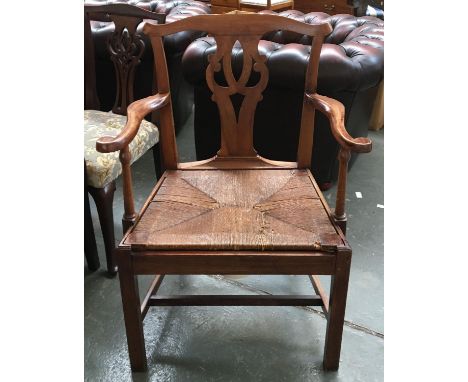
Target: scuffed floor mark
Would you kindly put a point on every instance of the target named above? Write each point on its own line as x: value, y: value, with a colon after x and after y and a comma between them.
x: 313, y: 310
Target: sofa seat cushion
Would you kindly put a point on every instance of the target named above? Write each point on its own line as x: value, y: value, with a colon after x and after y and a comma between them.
x: 103, y: 168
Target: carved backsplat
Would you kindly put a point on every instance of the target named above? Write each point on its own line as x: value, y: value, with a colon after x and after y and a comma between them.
x: 125, y: 47
x: 237, y: 133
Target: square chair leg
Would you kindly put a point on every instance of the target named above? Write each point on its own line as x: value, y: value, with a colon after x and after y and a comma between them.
x: 336, y: 313
x: 132, y: 311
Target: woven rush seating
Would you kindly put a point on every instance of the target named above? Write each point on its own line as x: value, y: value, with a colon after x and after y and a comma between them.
x: 236, y: 210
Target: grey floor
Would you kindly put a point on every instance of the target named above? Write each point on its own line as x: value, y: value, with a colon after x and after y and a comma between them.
x: 246, y: 343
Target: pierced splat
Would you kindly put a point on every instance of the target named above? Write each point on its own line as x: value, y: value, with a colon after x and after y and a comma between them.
x: 237, y: 132
x: 125, y: 47
x: 236, y: 149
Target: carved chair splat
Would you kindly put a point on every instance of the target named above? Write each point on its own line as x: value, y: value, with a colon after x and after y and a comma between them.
x: 236, y: 213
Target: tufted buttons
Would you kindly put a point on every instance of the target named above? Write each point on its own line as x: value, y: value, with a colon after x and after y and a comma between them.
x: 352, y: 56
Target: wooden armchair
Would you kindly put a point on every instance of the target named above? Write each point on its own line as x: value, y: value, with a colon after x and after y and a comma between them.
x: 236, y: 213
x: 125, y: 48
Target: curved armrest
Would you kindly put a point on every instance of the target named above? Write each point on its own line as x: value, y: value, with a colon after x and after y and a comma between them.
x: 135, y: 113
x: 335, y: 112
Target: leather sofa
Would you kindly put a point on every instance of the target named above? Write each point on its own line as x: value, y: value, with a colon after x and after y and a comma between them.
x: 175, y: 45
x: 351, y: 67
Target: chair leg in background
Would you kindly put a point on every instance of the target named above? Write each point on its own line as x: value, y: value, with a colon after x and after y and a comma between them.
x: 157, y: 160
x: 104, y: 197
x: 90, y: 248
x: 132, y: 312
x: 336, y: 313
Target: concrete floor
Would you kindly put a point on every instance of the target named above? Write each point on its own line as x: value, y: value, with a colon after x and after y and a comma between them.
x: 246, y: 343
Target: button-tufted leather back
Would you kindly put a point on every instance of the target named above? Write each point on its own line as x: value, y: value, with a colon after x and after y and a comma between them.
x: 352, y: 56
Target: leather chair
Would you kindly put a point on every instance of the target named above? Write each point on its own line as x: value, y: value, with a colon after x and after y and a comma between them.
x: 175, y: 45
x: 351, y: 68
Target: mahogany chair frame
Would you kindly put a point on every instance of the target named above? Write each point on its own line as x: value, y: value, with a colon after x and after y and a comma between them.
x: 236, y: 152
x: 125, y: 47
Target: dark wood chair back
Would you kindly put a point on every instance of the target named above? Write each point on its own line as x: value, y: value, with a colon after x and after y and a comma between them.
x: 247, y: 29
x: 125, y: 47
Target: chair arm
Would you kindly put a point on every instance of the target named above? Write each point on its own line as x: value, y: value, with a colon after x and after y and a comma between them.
x: 335, y: 112
x: 136, y: 112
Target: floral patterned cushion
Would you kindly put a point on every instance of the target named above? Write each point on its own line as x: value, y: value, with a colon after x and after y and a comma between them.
x: 103, y: 168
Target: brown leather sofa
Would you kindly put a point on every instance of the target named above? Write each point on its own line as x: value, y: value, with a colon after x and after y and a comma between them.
x: 175, y: 45
x: 351, y: 67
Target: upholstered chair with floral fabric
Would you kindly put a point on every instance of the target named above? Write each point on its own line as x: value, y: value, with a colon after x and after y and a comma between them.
x: 125, y: 48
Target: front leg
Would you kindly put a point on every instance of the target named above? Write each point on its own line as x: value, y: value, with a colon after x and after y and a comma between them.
x: 336, y: 312
x: 132, y: 311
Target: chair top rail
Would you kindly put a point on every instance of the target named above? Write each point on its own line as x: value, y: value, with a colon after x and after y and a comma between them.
x: 238, y: 24
x: 102, y: 12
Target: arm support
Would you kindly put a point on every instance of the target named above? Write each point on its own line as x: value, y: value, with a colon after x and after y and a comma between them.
x: 135, y: 113
x: 335, y: 112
